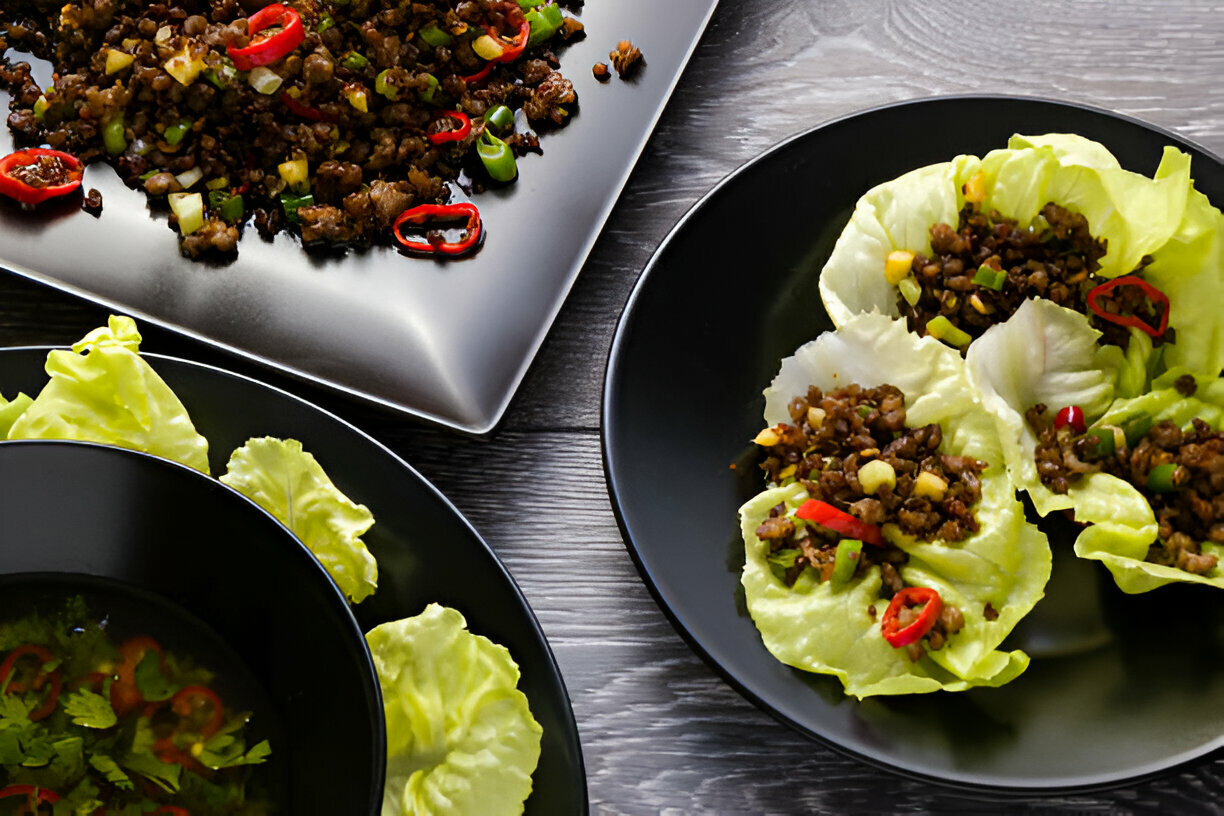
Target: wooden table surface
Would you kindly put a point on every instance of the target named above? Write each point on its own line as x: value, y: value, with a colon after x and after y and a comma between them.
x: 661, y: 732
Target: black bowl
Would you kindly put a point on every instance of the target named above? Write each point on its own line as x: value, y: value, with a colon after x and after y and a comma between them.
x: 88, y: 516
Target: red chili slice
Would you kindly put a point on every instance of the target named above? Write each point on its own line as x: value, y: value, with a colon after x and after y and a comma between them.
x: 456, y: 134
x: 303, y: 110
x: 124, y: 693
x: 33, y: 794
x: 1073, y: 416
x: 172, y: 810
x: 844, y: 524
x: 269, y: 49
x: 41, y: 678
x: 890, y: 625
x: 1159, y: 299
x: 430, y: 213
x: 32, y: 176
x: 511, y: 50
x: 200, y: 715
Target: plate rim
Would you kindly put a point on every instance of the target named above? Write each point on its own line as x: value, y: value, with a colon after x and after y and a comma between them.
x: 613, y: 371
x: 571, y: 737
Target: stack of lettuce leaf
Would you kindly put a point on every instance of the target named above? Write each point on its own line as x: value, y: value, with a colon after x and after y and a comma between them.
x: 1005, y: 565
x: 1050, y: 354
x: 460, y: 735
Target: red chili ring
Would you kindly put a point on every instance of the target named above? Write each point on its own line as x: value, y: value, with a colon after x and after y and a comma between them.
x: 1157, y: 297
x: 425, y: 213
x: 910, y: 596
x: 20, y: 190
x: 453, y: 134
x: 268, y: 50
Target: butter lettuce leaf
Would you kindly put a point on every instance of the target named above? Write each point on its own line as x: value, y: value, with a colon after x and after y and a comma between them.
x: 285, y: 480
x: 1161, y: 218
x: 103, y: 391
x: 1123, y: 525
x: 461, y: 739
x: 825, y: 628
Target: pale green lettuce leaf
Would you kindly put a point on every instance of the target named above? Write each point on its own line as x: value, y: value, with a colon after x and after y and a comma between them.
x: 1162, y: 217
x: 1043, y: 353
x: 895, y: 215
x: 1006, y: 564
x: 1123, y: 524
x: 102, y: 391
x: 291, y: 485
x: 461, y: 739
x: 11, y: 410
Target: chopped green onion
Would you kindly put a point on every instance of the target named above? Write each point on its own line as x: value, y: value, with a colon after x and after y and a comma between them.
x: 148, y: 174
x: 1135, y: 428
x: 911, y: 290
x: 325, y: 22
x: 527, y: 5
x: 1167, y: 478
x: 175, y: 133
x: 544, y: 21
x: 291, y: 204
x: 430, y: 93
x: 40, y: 108
x: 217, y: 183
x: 497, y: 157
x: 231, y: 209
x: 435, y: 36
x: 500, y: 117
x: 112, y: 135
x: 846, y: 560
x: 223, y: 75
x: 990, y: 277
x: 942, y: 329
x: 382, y: 86
x: 354, y: 61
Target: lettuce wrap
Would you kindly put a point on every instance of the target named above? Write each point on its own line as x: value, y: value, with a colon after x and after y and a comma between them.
x: 1160, y: 218
x: 1045, y: 354
x: 825, y: 627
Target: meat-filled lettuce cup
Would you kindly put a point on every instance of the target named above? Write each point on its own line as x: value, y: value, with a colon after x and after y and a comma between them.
x: 957, y: 247
x: 889, y: 550
x: 1145, y: 473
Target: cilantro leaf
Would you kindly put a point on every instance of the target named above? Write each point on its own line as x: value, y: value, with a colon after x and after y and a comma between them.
x: 163, y: 774
x: 152, y: 683
x: 69, y: 758
x: 89, y: 709
x: 81, y: 801
x: 229, y: 753
x: 111, y: 771
x: 14, y: 712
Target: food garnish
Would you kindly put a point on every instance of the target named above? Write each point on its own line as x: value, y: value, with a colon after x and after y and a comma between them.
x: 433, y: 242
x: 37, y: 174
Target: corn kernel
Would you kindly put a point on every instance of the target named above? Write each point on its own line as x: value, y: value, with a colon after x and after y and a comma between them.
x: 117, y: 60
x: 897, y: 266
x: 815, y: 417
x: 975, y: 189
x: 980, y: 305
x: 787, y: 472
x: 876, y: 474
x: 929, y: 486
x: 767, y: 438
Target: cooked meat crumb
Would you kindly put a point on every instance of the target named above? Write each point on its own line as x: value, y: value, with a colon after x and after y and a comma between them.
x: 626, y: 58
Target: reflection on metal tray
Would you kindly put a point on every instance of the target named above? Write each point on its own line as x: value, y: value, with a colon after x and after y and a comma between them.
x: 445, y: 341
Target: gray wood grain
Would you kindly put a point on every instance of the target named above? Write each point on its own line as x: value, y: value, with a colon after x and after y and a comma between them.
x: 661, y: 732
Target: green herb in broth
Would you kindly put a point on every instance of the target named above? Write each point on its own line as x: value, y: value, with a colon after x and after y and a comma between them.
x: 91, y: 721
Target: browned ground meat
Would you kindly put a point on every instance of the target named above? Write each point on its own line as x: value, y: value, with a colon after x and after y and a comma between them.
x: 830, y: 438
x: 357, y: 99
x: 1055, y: 258
x: 1186, y: 516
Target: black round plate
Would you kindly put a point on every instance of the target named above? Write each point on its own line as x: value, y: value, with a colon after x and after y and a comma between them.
x: 426, y: 551
x: 1119, y: 687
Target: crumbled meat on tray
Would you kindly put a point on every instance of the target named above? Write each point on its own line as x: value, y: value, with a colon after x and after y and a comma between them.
x: 981, y: 271
x: 1180, y: 473
x: 625, y: 59
x: 180, y: 96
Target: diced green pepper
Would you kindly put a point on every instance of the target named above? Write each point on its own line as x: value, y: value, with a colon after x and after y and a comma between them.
x: 846, y: 560
x: 500, y: 117
x: 1103, y: 443
x: 384, y: 87
x: 941, y: 328
x: 544, y: 20
x: 112, y: 135
x: 354, y: 61
x: 291, y: 204
x: 990, y: 277
x: 497, y: 157
x: 229, y: 207
x: 1135, y: 428
x: 429, y: 95
x: 223, y: 75
x: 40, y: 108
x: 435, y: 36
x: 148, y: 174
x: 326, y: 21
x: 1167, y: 478
x: 175, y: 133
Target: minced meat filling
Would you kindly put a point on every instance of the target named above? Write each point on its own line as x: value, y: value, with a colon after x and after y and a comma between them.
x: 834, y: 435
x: 925, y: 493
x: 1055, y: 258
x: 1190, y: 507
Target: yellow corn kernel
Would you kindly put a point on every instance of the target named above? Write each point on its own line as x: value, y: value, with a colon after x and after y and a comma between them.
x: 184, y: 67
x: 815, y: 417
x: 981, y: 306
x: 787, y: 472
x: 929, y: 486
x: 767, y: 438
x: 876, y: 474
x: 117, y: 60
x: 897, y: 266
x: 975, y: 189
